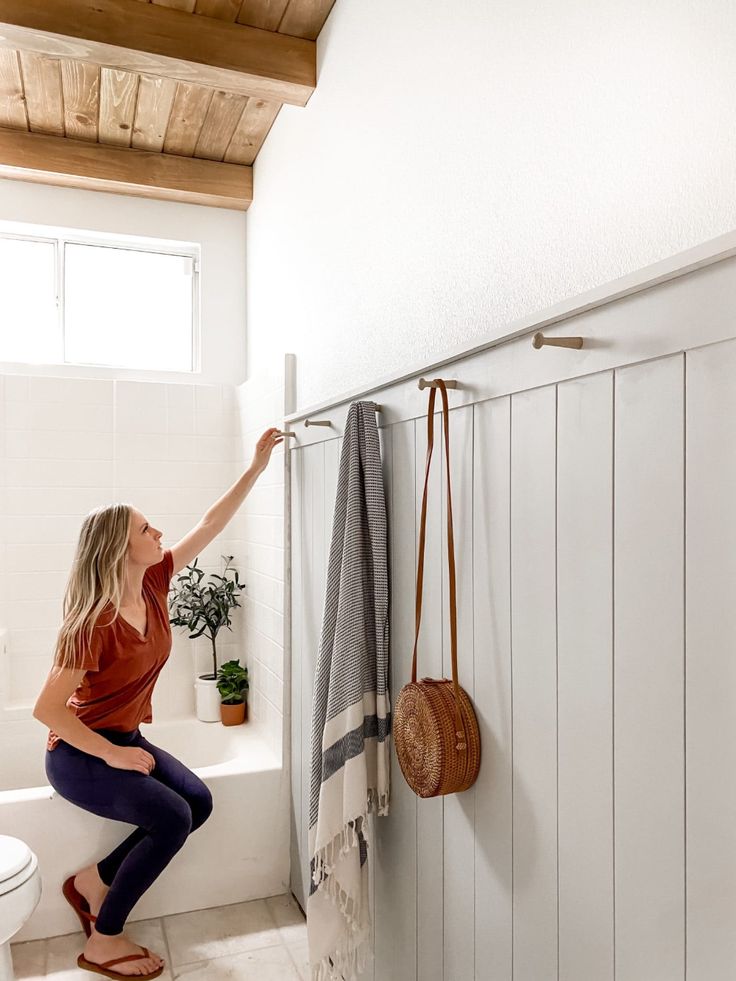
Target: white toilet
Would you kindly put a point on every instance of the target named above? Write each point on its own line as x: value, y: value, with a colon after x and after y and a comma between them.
x: 20, y: 891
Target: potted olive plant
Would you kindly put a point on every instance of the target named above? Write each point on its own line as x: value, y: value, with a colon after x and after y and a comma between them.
x: 232, y: 684
x: 204, y: 608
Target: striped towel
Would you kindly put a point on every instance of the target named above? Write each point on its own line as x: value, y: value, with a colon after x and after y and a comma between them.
x: 351, y: 717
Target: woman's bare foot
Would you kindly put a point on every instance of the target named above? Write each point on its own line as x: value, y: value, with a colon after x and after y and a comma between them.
x: 101, y: 947
x: 89, y: 884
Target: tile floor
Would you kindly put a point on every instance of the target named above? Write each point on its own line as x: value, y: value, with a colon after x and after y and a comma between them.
x: 262, y: 940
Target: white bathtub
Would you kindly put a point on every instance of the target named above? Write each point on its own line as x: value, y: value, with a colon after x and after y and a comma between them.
x: 240, y: 853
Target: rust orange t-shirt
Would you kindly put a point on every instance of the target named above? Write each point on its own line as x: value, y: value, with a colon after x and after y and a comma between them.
x: 122, y: 665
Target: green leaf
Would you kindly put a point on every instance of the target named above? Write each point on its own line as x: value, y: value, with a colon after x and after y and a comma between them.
x: 204, y: 608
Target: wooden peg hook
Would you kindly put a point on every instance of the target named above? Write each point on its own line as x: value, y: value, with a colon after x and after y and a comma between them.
x: 539, y: 340
x: 432, y: 383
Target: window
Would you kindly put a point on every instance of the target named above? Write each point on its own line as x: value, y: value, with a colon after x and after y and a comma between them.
x: 92, y: 299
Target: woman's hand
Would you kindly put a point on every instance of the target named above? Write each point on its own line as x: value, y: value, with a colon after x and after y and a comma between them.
x: 272, y: 437
x: 130, y: 758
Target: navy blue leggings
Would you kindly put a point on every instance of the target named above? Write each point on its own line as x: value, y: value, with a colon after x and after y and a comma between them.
x: 167, y: 804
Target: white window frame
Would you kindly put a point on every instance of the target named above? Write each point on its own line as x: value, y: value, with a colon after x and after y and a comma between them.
x: 62, y: 237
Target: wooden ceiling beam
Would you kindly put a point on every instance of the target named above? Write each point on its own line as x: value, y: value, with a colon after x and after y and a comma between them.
x: 120, y: 170
x: 157, y: 40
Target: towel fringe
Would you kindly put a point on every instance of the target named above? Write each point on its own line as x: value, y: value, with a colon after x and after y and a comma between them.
x: 325, y: 857
x: 348, y: 958
x: 349, y: 906
x: 378, y: 803
x: 343, y: 964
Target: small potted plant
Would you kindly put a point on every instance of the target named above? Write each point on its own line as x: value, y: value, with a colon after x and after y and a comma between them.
x: 232, y: 683
x: 204, y: 608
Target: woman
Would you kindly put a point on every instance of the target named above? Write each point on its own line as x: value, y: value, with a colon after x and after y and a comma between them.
x: 113, y: 642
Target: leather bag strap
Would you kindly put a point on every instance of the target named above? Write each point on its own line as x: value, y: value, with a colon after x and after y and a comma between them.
x: 459, y: 727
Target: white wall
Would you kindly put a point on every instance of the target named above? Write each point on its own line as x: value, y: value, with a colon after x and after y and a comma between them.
x: 462, y: 165
x: 220, y: 233
x: 75, y: 437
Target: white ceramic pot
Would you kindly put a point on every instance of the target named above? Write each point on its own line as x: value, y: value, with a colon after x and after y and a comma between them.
x: 208, y: 699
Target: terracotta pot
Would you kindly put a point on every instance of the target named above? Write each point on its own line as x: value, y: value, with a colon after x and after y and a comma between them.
x: 234, y: 715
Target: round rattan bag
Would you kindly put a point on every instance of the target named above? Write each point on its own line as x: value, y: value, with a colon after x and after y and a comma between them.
x: 434, y: 726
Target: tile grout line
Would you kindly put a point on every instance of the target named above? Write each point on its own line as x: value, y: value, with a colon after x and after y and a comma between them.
x: 169, y: 959
x: 292, y: 958
x: 276, y: 929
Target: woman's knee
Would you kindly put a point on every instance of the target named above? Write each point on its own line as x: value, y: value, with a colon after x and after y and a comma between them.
x: 201, y: 806
x: 174, y: 821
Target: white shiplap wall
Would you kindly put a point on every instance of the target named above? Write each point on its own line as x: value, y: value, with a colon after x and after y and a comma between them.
x: 595, y: 543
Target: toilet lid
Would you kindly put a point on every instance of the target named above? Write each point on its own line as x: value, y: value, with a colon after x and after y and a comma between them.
x: 14, y: 856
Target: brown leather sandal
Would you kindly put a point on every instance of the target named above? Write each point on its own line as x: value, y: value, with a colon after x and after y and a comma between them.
x: 79, y: 904
x: 102, y: 968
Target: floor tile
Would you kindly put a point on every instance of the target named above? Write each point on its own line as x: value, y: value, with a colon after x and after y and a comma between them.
x: 149, y: 933
x: 242, y: 941
x: 56, y: 957
x: 300, y: 955
x: 29, y: 959
x: 289, y: 918
x: 209, y: 933
x: 265, y: 964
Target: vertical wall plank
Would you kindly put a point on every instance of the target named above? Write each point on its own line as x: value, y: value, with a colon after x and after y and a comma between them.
x: 492, y: 648
x: 584, y: 685
x: 299, y: 795
x: 711, y: 665
x: 369, y: 974
x: 396, y: 835
x: 533, y: 433
x: 385, y: 443
x: 459, y: 809
x: 370, y: 830
x: 430, y: 855
x: 313, y: 571
x: 648, y: 672
x: 332, y: 449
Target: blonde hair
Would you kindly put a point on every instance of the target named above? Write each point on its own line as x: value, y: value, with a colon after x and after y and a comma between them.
x: 96, y: 579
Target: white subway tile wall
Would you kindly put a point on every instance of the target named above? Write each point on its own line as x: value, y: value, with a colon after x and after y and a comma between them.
x: 68, y: 445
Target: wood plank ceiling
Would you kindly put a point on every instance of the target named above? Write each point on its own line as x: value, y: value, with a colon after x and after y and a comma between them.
x: 170, y: 99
